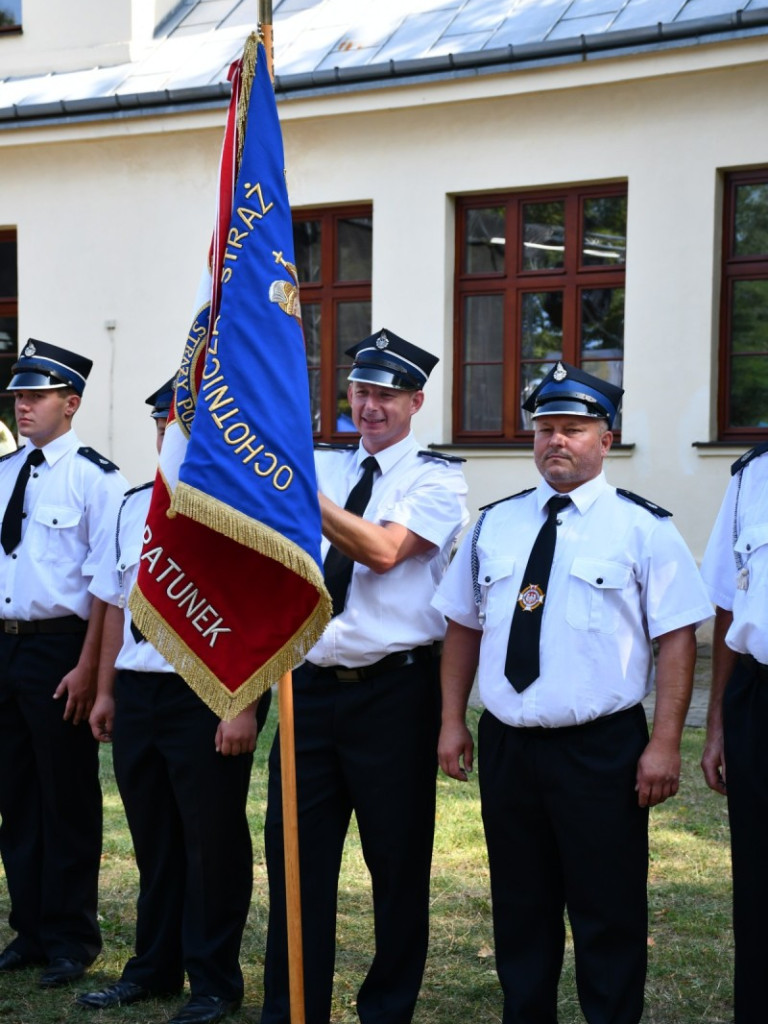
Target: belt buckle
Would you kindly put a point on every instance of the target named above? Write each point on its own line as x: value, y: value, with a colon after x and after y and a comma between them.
x: 347, y: 675
x: 11, y: 626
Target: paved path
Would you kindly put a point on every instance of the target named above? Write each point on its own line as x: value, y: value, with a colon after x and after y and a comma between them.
x: 697, y: 713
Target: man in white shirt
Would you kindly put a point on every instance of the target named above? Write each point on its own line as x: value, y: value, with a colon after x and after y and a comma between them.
x: 183, y: 777
x: 57, y: 496
x: 567, y: 771
x: 367, y: 698
x: 735, y: 570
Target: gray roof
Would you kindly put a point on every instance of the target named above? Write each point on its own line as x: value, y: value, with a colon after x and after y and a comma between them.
x: 323, y: 45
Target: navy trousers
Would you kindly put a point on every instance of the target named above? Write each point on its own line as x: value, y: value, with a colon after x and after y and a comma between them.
x: 367, y: 747
x: 564, y: 832
x: 50, y: 803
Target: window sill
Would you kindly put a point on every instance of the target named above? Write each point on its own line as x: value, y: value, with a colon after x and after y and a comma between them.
x: 513, y: 449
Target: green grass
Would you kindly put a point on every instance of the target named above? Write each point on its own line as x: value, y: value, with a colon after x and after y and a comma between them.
x: 690, y: 948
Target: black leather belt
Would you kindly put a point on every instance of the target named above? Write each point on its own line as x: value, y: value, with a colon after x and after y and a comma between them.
x: 64, y: 624
x: 400, y: 659
x: 756, y: 667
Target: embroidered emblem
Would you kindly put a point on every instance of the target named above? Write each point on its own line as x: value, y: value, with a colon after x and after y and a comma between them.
x: 286, y: 293
x: 382, y: 341
x: 531, y: 598
x: 30, y: 349
x: 560, y: 372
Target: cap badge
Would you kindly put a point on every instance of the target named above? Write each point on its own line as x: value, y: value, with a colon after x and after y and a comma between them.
x: 382, y: 341
x: 531, y: 598
x: 560, y: 372
x: 29, y: 350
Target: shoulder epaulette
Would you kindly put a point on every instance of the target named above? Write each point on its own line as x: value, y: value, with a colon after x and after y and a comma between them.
x: 139, y: 487
x: 509, y: 497
x: 649, y: 506
x: 98, y: 460
x: 442, y: 456
x: 9, y: 455
x: 746, y: 458
x: 336, y: 446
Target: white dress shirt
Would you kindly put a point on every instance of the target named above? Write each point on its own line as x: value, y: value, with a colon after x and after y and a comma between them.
x: 68, y: 502
x: 735, y: 565
x: 620, y: 576
x: 389, y: 612
x: 116, y: 575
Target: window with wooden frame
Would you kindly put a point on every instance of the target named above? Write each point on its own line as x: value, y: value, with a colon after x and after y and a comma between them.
x: 10, y: 15
x: 9, y: 322
x: 743, y: 392
x: 539, y: 277
x: 334, y: 249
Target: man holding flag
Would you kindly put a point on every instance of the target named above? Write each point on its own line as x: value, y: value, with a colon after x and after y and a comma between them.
x: 367, y: 698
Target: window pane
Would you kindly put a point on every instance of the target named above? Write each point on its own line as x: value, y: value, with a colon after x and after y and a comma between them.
x: 611, y: 370
x: 531, y: 375
x: 543, y: 236
x: 482, y: 389
x: 483, y: 352
x: 602, y: 322
x: 484, y: 329
x: 484, y: 240
x: 8, y: 273
x: 749, y: 391
x: 751, y: 219
x: 355, y: 243
x: 9, y: 336
x: 604, y: 231
x: 307, y: 236
x: 541, y: 325
x: 353, y: 323
x: 749, y: 317
x: 10, y: 13
x: 310, y: 320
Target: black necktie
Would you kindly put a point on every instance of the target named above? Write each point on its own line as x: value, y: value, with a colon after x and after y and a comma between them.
x: 337, y: 567
x: 10, y: 534
x: 522, y: 665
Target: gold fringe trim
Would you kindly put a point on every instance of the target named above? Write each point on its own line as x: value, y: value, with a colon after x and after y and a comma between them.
x: 263, y: 539
x: 247, y: 75
x: 222, y: 518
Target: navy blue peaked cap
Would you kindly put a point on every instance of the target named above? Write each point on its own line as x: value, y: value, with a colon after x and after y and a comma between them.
x: 391, y: 362
x: 161, y: 399
x: 41, y: 366
x: 568, y: 391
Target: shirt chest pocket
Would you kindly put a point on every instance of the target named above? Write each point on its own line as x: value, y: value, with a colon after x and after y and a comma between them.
x: 497, y: 596
x: 57, y: 533
x: 752, y: 541
x: 129, y: 557
x: 596, y: 594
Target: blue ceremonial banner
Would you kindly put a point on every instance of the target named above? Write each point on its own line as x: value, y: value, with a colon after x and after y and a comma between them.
x: 230, y: 588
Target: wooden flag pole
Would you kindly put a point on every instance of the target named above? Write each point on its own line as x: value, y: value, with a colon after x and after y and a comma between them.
x: 287, y: 744
x: 291, y: 850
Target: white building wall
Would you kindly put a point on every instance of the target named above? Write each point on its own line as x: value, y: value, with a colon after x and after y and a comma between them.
x: 114, y: 219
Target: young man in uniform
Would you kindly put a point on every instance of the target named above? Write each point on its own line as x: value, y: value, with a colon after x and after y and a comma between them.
x: 57, y: 497
x: 183, y: 776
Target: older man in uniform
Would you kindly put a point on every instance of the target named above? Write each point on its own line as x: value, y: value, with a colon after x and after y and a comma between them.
x: 58, y: 497
x: 367, y: 698
x: 735, y: 570
x: 570, y: 584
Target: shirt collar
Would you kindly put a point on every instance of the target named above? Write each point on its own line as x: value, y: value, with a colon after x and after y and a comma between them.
x: 583, y: 497
x: 387, y: 457
x: 57, y: 448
